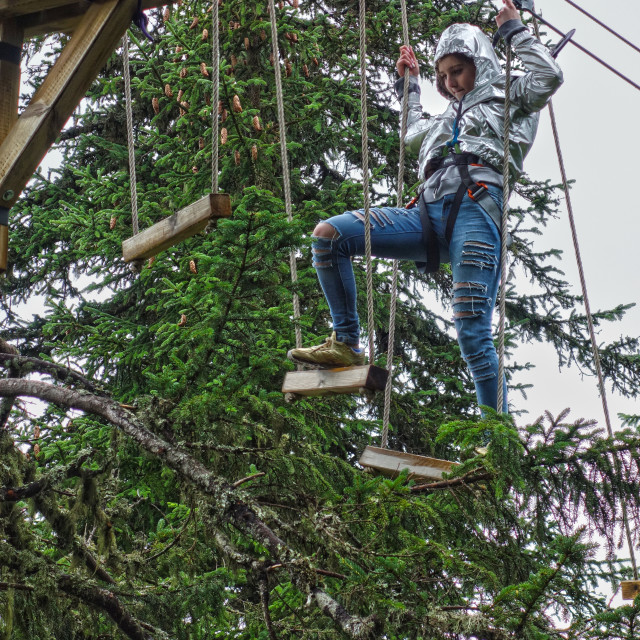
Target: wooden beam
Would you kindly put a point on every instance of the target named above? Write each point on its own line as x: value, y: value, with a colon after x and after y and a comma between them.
x: 391, y: 463
x: 63, y: 20
x: 19, y: 8
x: 630, y: 589
x: 11, y: 36
x: 321, y: 382
x: 172, y: 230
x: 97, y: 35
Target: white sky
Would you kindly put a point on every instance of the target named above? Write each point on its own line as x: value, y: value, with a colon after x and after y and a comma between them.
x: 599, y: 127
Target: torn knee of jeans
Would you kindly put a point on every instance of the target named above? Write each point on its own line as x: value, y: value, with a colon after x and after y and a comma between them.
x: 480, y: 366
x: 321, y: 255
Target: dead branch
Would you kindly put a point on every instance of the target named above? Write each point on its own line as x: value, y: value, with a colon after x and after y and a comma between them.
x: 469, y: 478
x: 190, y: 469
x: 235, y: 485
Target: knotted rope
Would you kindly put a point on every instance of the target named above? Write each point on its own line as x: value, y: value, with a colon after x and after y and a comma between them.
x: 130, y: 142
x: 285, y: 164
x: 365, y: 176
x: 504, y: 227
x: 215, y: 76
x: 394, y: 278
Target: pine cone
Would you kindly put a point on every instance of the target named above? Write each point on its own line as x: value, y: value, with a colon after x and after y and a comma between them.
x: 156, y: 105
x: 183, y: 320
x: 183, y: 72
x: 236, y: 156
x: 194, y: 24
x: 112, y: 222
x: 305, y: 70
x: 167, y: 91
x: 256, y: 123
x: 223, y: 136
x: 237, y: 107
x: 192, y: 267
x: 205, y: 34
x: 166, y: 15
x: 254, y: 152
x: 203, y: 69
x: 201, y: 143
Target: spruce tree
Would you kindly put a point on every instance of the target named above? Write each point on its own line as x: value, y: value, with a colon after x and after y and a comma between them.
x: 164, y: 488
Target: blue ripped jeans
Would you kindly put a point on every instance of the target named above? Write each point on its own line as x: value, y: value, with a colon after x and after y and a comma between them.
x: 474, y: 253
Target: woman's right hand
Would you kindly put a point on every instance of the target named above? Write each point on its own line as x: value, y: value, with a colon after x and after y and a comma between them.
x: 407, y: 59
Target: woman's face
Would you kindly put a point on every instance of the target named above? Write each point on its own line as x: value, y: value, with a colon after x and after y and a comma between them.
x: 457, y: 74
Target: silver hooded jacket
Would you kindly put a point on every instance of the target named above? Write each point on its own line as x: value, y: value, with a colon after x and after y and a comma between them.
x: 482, y: 118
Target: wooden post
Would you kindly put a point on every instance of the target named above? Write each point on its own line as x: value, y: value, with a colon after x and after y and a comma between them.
x: 11, y: 35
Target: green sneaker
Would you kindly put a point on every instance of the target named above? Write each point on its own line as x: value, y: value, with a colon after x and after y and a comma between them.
x: 328, y: 355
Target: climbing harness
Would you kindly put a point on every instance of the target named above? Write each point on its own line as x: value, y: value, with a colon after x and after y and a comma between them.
x: 477, y: 191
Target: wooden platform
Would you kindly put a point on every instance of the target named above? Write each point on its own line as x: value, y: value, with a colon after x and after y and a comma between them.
x: 96, y: 30
x: 321, y: 382
x: 172, y: 230
x: 391, y: 463
x: 630, y: 589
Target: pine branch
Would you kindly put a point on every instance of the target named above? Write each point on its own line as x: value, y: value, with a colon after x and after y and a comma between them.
x: 243, y: 517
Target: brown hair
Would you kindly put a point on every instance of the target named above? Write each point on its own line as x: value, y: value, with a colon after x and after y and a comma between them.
x: 463, y: 57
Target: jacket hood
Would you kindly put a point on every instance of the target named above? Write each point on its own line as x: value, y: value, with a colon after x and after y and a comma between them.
x: 470, y: 41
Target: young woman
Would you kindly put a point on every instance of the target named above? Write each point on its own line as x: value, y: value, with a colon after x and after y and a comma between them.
x: 460, y: 156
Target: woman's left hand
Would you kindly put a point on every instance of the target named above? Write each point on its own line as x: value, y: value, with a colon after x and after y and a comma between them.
x: 508, y: 12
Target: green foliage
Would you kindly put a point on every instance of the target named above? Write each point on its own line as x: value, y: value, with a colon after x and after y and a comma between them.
x: 194, y: 346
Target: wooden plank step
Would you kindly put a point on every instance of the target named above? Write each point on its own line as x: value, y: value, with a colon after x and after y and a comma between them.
x: 391, y: 463
x: 321, y: 382
x: 181, y: 225
x: 630, y: 589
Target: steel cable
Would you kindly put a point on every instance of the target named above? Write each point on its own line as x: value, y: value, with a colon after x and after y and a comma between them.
x: 603, y: 25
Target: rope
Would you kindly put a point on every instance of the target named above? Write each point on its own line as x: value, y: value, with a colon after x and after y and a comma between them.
x: 394, y: 278
x: 587, y: 307
x: 603, y: 25
x: 365, y: 175
x: 130, y: 142
x: 285, y: 164
x: 215, y: 76
x: 594, y: 56
x: 504, y: 227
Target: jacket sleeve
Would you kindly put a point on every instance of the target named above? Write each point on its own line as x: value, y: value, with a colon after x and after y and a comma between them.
x: 416, y: 125
x: 532, y: 91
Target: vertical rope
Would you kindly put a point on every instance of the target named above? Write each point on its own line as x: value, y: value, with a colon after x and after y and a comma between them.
x: 365, y: 176
x: 130, y: 141
x: 504, y: 228
x: 215, y: 77
x: 587, y: 308
x: 394, y: 278
x: 285, y: 163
